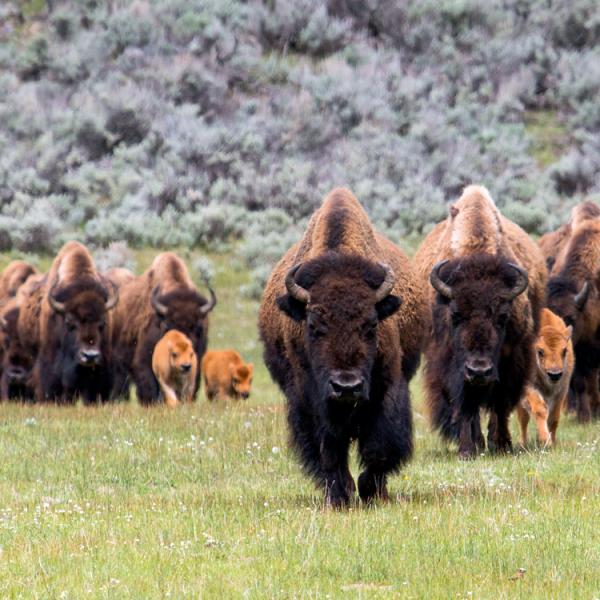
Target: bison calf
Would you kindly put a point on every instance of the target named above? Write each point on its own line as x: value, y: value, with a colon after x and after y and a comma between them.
x: 226, y: 375
x: 174, y: 365
x: 342, y: 321
x: 547, y: 390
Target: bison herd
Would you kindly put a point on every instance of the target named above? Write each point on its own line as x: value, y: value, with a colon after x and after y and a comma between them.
x: 502, y: 322
x: 345, y: 317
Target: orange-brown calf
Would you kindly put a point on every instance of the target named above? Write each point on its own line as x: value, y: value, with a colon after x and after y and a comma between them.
x: 174, y: 364
x: 547, y: 391
x: 226, y: 375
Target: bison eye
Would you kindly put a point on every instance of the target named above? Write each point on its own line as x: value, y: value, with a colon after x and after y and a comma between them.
x: 502, y: 319
x: 540, y: 353
x: 71, y: 325
x: 564, y: 352
x: 174, y: 354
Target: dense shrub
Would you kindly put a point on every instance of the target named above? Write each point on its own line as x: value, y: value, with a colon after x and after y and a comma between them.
x: 212, y: 122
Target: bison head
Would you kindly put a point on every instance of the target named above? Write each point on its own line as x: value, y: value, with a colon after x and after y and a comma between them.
x: 17, y: 363
x: 185, y: 310
x: 474, y: 303
x: 84, y: 307
x: 340, y: 299
x: 568, y: 300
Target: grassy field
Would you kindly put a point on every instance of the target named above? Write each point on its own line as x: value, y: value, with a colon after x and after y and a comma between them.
x: 207, y: 501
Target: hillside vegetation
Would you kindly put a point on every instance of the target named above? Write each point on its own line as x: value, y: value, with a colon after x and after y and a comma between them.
x: 198, y: 122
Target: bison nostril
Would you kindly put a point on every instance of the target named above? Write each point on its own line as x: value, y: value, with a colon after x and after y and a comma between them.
x: 554, y: 375
x: 479, y: 371
x: 346, y: 384
x: 186, y: 367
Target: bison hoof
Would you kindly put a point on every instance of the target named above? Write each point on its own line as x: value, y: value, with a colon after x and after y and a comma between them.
x: 371, y: 487
x: 467, y: 454
x: 337, y: 501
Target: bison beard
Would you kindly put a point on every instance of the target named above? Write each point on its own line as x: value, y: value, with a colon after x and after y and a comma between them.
x: 345, y: 389
x: 477, y: 357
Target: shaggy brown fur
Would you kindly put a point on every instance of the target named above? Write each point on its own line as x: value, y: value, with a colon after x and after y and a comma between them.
x: 119, y: 276
x: 13, y: 277
x: 313, y: 350
x: 552, y: 243
x: 29, y: 298
x: 226, y: 375
x: 139, y: 325
x: 547, y: 390
x: 574, y: 295
x: 74, y: 355
x: 480, y: 244
x: 174, y: 365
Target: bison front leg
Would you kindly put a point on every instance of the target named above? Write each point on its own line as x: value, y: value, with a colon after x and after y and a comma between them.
x: 499, y: 439
x: 385, y: 443
x: 146, y: 384
x: 338, y: 482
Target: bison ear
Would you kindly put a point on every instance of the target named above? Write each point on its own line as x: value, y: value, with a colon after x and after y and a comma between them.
x: 569, y: 332
x: 291, y: 307
x: 388, y: 306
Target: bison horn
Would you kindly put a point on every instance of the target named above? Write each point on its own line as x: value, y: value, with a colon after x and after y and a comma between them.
x: 442, y: 288
x: 113, y: 299
x: 56, y: 306
x: 295, y: 290
x: 582, y: 295
x: 159, y: 307
x: 387, y: 285
x: 211, y: 303
x: 521, y: 283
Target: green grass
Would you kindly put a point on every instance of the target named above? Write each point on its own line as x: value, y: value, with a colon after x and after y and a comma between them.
x: 550, y: 137
x: 207, y: 501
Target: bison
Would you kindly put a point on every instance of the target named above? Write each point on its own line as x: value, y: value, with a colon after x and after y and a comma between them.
x: 16, y: 362
x: 573, y: 294
x: 341, y: 319
x: 226, y: 375
x: 161, y: 299
x: 75, y: 323
x: 174, y: 365
x: 119, y: 276
x: 487, y: 288
x: 13, y: 277
x: 547, y: 390
x: 552, y: 243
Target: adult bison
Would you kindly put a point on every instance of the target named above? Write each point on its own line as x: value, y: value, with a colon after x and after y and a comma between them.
x: 16, y: 362
x: 161, y: 299
x: 573, y: 294
x: 341, y: 320
x: 13, y: 277
x: 75, y: 321
x: 487, y: 291
x: 553, y: 242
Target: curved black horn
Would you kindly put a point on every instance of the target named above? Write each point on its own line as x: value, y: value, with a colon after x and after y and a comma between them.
x: 206, y: 308
x: 295, y: 290
x: 521, y: 283
x: 582, y: 296
x: 440, y: 286
x: 56, y: 306
x: 113, y: 298
x: 160, y: 308
x: 387, y: 284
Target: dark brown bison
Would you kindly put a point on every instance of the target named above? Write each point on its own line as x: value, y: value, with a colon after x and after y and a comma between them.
x: 341, y: 320
x: 17, y: 356
x: 13, y: 277
x: 74, y: 355
x: 161, y: 299
x: 573, y: 294
x: 480, y: 350
x: 552, y: 243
